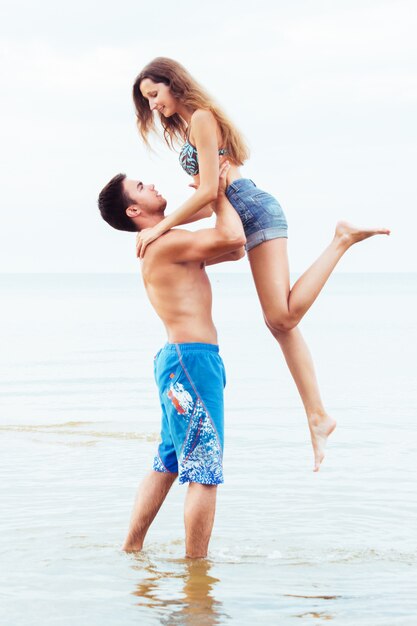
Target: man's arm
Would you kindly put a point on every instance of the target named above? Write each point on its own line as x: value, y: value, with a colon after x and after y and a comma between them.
x: 235, y: 255
x: 182, y: 246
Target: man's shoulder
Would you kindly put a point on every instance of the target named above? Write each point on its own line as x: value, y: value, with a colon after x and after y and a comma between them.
x: 173, y: 237
x: 170, y: 243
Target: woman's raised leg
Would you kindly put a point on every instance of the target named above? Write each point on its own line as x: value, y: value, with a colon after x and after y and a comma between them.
x: 284, y: 307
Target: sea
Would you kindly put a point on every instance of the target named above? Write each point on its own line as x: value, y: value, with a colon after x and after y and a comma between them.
x: 79, y: 424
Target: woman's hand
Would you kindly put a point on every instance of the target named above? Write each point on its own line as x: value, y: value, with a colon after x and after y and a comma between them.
x: 144, y: 238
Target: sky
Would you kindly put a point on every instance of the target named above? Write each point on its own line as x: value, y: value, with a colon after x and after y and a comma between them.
x: 325, y: 92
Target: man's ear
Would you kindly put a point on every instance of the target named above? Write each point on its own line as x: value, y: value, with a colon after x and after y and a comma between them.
x: 133, y: 210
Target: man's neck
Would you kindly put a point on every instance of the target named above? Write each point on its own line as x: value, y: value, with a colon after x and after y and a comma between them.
x: 149, y: 221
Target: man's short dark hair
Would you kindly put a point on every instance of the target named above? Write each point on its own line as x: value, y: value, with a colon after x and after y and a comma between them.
x: 113, y: 202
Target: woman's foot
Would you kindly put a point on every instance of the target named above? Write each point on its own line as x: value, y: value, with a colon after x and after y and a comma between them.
x: 348, y: 234
x: 321, y: 426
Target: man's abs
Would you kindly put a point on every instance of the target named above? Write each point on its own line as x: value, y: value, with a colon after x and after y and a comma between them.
x: 181, y: 296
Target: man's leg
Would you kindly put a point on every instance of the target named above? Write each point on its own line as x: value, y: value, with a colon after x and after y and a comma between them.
x: 200, y: 507
x: 152, y: 492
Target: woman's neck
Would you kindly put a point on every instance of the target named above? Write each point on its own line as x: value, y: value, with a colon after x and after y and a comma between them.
x: 185, y: 112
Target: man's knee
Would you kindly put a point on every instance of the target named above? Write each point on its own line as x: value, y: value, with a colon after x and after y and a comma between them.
x: 201, y: 491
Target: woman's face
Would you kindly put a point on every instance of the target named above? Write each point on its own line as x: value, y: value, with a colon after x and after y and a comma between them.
x: 159, y: 97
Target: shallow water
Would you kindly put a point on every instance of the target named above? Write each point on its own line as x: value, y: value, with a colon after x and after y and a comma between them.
x: 79, y: 423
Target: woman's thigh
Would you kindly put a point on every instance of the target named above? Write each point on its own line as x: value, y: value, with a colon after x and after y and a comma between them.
x: 270, y: 270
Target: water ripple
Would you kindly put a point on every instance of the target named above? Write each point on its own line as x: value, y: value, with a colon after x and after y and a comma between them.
x: 70, y: 428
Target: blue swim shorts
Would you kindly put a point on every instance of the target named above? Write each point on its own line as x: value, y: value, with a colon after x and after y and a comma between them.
x: 191, y: 379
x: 261, y: 214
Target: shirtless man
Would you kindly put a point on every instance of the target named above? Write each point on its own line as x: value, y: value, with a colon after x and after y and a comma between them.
x: 188, y: 370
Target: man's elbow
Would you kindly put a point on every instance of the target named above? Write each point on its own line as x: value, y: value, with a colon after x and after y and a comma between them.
x: 238, y: 240
x: 238, y: 254
x: 231, y: 239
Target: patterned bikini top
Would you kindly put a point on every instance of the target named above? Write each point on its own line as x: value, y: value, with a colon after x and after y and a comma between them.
x: 189, y: 158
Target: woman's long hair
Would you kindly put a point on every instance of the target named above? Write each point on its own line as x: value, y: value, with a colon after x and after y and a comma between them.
x: 185, y: 89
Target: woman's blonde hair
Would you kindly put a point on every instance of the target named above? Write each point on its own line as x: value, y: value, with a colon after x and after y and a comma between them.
x: 185, y: 89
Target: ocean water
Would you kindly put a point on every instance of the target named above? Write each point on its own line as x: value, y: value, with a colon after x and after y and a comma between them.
x: 79, y: 423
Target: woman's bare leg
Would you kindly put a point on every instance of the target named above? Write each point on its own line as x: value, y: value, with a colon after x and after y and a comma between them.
x: 270, y: 261
x: 284, y: 307
x: 300, y: 364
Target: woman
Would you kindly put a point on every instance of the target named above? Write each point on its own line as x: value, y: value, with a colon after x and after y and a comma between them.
x: 188, y: 115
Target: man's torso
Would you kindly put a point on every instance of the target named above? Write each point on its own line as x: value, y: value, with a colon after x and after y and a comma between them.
x: 180, y: 293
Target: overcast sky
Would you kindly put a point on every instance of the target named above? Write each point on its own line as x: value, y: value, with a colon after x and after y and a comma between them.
x: 325, y: 92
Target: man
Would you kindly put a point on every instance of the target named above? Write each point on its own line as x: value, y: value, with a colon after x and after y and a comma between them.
x: 188, y: 370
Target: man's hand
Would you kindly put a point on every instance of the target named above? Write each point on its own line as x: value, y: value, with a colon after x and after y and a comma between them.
x: 143, y: 239
x: 224, y: 168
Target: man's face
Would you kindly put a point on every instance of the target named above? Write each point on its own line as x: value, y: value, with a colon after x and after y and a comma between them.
x: 146, y: 197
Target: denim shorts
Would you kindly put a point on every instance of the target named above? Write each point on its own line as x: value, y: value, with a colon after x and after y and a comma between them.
x: 261, y: 214
x: 190, y: 379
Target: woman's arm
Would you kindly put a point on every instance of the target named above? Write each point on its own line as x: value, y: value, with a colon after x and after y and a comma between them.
x: 202, y: 214
x: 205, y: 138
